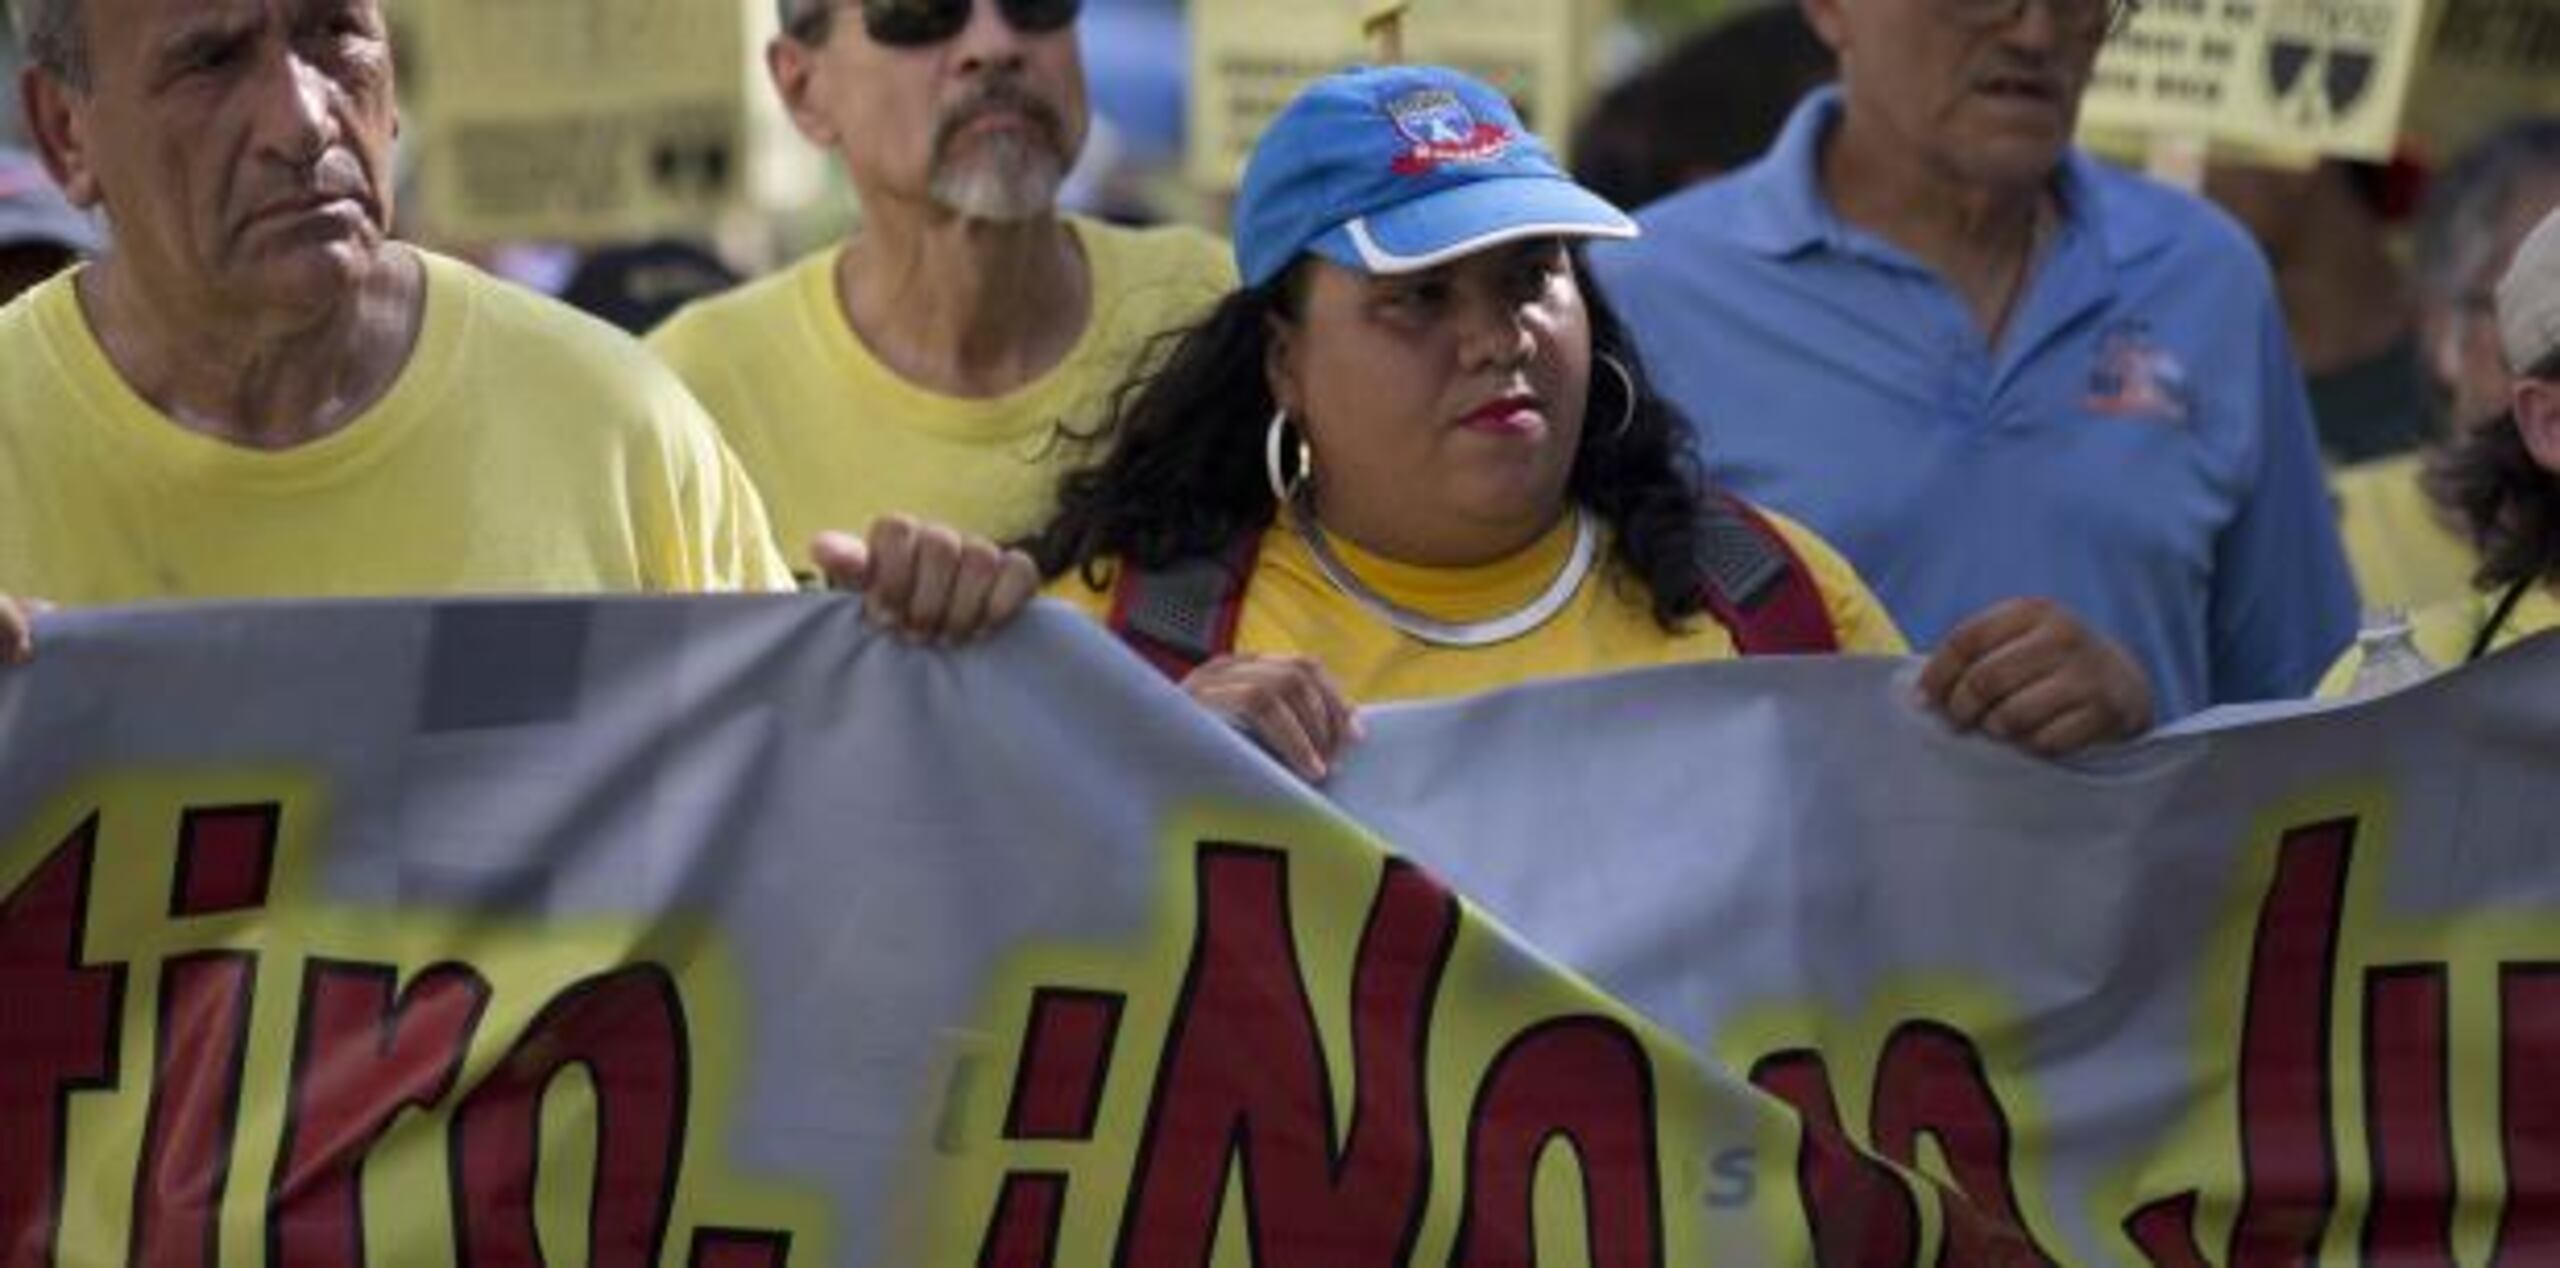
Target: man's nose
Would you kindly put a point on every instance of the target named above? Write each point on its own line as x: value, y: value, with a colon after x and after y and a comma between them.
x: 297, y: 107
x: 2040, y: 23
x: 989, y: 39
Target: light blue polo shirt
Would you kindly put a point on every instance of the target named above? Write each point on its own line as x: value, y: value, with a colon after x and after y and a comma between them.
x: 2138, y: 447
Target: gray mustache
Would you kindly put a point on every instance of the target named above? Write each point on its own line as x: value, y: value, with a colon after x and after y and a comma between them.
x: 1002, y: 97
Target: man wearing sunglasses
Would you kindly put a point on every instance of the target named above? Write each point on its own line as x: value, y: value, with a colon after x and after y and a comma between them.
x: 939, y: 360
x: 1987, y: 366
x: 256, y: 390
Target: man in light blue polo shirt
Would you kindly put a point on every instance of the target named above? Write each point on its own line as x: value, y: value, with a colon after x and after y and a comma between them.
x: 1987, y: 366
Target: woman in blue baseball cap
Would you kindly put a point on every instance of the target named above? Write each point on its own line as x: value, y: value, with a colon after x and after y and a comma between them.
x: 1412, y: 456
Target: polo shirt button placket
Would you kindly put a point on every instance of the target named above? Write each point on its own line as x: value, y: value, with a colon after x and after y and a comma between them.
x: 1969, y: 385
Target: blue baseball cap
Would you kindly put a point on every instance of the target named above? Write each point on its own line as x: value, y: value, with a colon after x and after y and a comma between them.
x: 1393, y: 169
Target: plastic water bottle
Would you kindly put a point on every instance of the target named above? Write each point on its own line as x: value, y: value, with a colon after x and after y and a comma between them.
x: 2387, y: 655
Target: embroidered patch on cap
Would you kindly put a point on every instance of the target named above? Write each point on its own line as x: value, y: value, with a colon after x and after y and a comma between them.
x: 1442, y: 130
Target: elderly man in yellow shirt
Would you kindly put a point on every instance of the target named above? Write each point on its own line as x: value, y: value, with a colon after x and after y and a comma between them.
x: 257, y: 391
x: 941, y: 359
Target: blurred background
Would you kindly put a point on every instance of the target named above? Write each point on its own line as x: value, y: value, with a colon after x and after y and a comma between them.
x: 537, y: 135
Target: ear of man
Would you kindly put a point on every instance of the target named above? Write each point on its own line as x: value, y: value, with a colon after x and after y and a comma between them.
x: 793, y: 67
x: 1829, y: 19
x: 60, y: 132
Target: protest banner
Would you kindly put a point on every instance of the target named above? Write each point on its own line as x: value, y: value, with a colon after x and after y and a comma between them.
x: 577, y: 120
x: 730, y: 932
x: 1249, y: 57
x: 2286, y: 76
x: 2487, y: 61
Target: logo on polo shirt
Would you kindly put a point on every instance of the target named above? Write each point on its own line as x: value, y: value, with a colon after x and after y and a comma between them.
x: 1442, y: 130
x: 2134, y: 377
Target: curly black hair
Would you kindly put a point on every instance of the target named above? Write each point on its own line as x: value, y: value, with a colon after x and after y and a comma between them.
x: 2507, y: 503
x: 1182, y: 476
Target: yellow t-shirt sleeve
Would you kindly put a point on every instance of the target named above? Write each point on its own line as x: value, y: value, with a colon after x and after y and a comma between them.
x: 2403, y: 553
x: 1858, y: 618
x: 719, y: 539
x: 745, y: 553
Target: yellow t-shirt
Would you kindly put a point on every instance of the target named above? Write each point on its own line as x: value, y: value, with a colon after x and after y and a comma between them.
x: 2444, y: 632
x: 1290, y: 609
x: 835, y: 439
x: 523, y: 448
x: 2403, y: 555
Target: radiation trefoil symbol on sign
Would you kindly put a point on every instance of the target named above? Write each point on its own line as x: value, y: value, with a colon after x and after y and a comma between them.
x: 2321, y: 57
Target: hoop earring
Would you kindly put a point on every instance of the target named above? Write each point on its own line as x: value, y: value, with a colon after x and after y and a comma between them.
x: 1284, y: 489
x: 1626, y: 388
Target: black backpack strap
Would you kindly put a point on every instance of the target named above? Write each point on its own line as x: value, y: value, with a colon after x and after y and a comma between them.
x: 2488, y: 633
x: 1756, y: 585
x: 1182, y: 616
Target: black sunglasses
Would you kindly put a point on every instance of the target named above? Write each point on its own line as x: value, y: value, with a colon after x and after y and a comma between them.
x: 916, y: 23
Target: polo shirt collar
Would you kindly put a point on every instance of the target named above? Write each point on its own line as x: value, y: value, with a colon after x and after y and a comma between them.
x: 1786, y: 213
x: 2130, y: 233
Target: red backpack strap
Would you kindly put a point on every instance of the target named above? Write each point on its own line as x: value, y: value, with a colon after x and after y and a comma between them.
x: 1756, y: 585
x: 1182, y: 616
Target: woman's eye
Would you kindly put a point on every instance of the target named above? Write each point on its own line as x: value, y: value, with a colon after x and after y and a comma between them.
x: 209, y: 56
x: 1415, y: 298
x: 1535, y: 275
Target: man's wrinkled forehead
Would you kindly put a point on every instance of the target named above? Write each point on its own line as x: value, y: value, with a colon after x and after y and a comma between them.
x: 157, y: 20
x: 155, y: 37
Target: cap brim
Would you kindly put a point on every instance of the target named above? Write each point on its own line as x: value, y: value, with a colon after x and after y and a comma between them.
x: 1459, y: 221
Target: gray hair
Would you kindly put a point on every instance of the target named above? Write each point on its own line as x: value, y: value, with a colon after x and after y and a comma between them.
x: 50, y: 32
x: 2458, y: 229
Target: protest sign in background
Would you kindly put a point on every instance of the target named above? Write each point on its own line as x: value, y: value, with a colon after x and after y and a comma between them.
x: 2298, y: 76
x: 2487, y: 61
x: 578, y: 120
x: 726, y: 931
x: 1249, y: 57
